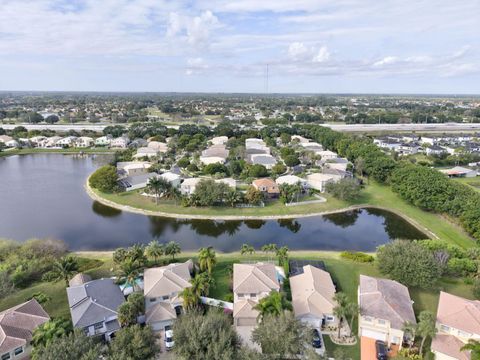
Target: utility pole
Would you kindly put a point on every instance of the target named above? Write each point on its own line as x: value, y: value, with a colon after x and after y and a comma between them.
x: 266, y: 79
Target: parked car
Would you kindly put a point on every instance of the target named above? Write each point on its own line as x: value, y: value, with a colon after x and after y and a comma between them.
x: 169, y: 343
x: 316, y: 339
x: 382, y: 350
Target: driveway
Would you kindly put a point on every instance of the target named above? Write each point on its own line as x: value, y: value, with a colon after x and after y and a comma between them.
x: 164, y: 354
x: 367, y: 346
x: 245, y: 333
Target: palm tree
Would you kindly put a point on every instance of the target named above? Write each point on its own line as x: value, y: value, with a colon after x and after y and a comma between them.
x: 273, y: 304
x: 282, y: 255
x: 207, y: 259
x: 201, y: 284
x: 190, y: 299
x: 341, y: 309
x: 172, y: 249
x: 154, y: 250
x: 474, y: 347
x: 127, y: 314
x: 232, y: 197
x: 410, y: 331
x: 136, y: 254
x: 426, y: 327
x: 129, y: 272
x: 269, y: 248
x: 155, y: 186
x: 65, y: 268
x: 352, y: 311
x: 247, y: 249
x: 51, y: 330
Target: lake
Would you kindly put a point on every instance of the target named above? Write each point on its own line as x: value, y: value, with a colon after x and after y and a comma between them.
x: 42, y: 196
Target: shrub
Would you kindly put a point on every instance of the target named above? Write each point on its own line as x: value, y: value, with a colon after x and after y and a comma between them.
x: 476, y: 288
x: 105, y: 179
x: 461, y: 267
x: 357, y: 256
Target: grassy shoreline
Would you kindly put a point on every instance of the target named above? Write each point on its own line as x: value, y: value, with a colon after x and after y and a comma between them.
x: 67, y: 151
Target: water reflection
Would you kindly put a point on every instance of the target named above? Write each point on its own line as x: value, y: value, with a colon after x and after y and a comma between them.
x: 47, y: 189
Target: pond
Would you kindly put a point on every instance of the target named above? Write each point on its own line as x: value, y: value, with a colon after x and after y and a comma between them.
x: 42, y: 196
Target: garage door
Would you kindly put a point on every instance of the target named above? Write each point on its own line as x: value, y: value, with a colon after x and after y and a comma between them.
x: 377, y: 335
x: 246, y: 322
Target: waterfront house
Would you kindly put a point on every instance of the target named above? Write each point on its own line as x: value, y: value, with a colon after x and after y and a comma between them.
x: 103, y: 140
x: 458, y: 321
x: 207, y: 160
x: 172, y: 178
x: 94, y: 307
x: 291, y: 180
x: 145, y: 152
x: 132, y: 168
x: 188, y: 186
x: 327, y: 155
x: 130, y: 183
x: 120, y: 142
x: 385, y: 306
x: 17, y: 325
x: 313, y: 294
x: 84, y: 142
x: 68, y: 141
x: 267, y: 186
x: 163, y: 288
x: 319, y: 181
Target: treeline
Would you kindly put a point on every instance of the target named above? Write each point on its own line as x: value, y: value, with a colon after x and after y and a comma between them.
x: 422, y: 186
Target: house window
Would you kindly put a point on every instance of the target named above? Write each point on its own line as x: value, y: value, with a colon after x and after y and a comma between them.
x: 98, y: 326
x: 367, y: 319
x: 464, y: 334
x: 165, y: 297
x: 240, y: 296
x: 381, y: 322
x: 18, y: 351
x: 330, y: 318
x: 153, y: 299
x: 253, y: 295
x: 396, y: 340
x: 445, y: 328
x: 6, y: 356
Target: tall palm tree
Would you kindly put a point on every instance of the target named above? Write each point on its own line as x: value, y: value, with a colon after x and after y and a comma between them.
x: 232, y: 197
x: 201, y: 284
x: 155, y: 186
x: 426, y: 327
x: 474, y: 347
x: 247, y: 249
x: 136, y: 254
x: 65, y: 268
x: 129, y: 272
x: 172, y: 249
x: 154, y: 250
x: 273, y: 304
x: 269, y: 248
x: 282, y: 255
x: 341, y: 309
x: 410, y: 330
x: 207, y: 259
x: 51, y: 330
x: 190, y: 299
x: 352, y: 311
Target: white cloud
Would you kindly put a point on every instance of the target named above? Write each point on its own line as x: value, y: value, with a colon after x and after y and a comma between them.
x: 322, y: 55
x: 388, y: 60
x: 195, y: 30
x: 298, y: 51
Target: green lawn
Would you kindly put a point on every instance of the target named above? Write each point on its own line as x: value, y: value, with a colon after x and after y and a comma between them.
x: 474, y: 183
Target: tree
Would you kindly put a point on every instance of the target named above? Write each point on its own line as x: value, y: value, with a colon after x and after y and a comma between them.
x: 279, y: 169
x: 6, y: 284
x: 426, y: 327
x: 352, y: 310
x: 208, y: 192
x: 65, y: 268
x: 105, y: 179
x: 269, y: 248
x: 134, y: 343
x: 282, y: 255
x: 154, y: 250
x: 273, y: 304
x: 138, y: 302
x: 52, y: 119
x: 129, y: 272
x: 232, y: 197
x: 247, y: 249
x: 209, y: 336
x: 191, y: 298
x: 257, y: 171
x: 157, y: 186
x: 41, y: 297
x: 345, y: 189
x: 341, y: 310
x: 281, y: 337
x: 51, y: 331
x: 291, y: 160
x: 409, y: 263
x: 172, y: 249
x: 410, y: 331
x: 474, y: 347
x: 253, y: 196
x: 207, y: 259
x: 75, y: 346
x: 360, y: 166
x: 201, y: 284
x: 127, y: 314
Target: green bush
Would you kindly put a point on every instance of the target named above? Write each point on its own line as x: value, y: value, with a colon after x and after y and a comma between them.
x: 461, y: 267
x: 476, y: 288
x: 357, y: 256
x: 105, y: 179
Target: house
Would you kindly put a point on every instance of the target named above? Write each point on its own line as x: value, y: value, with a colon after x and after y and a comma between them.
x: 409, y: 148
x: 84, y: 142
x: 132, y: 168
x: 299, y: 139
x: 385, y: 306
x: 266, y: 160
x: 313, y: 294
x: 68, y: 141
x: 120, y: 142
x: 172, y: 178
x: 188, y: 186
x: 94, y: 307
x: 163, y: 287
x: 130, y: 183
x: 256, y: 146
x: 291, y: 180
x: 145, y: 152
x: 267, y: 186
x: 38, y: 141
x: 319, y: 181
x: 435, y: 150
x: 16, y: 328
x: 103, y: 140
x: 231, y: 182
x: 52, y: 141
x: 138, y: 143
x: 458, y: 321
x: 219, y: 140
x: 251, y: 283
x: 387, y: 143
x: 5, y: 138
x: 459, y: 171
x: 216, y: 151
x: 327, y: 155
x: 207, y: 160
x: 159, y: 147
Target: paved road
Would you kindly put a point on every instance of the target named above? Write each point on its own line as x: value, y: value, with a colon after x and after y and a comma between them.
x: 448, y: 127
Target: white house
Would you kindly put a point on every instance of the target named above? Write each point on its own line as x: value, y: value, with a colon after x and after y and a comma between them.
x: 327, y: 154
x: 291, y: 180
x: 187, y: 187
x: 103, y: 140
x: 120, y: 142
x: 219, y: 140
x: 319, y: 181
x: 133, y: 168
x: 145, y: 152
x: 207, y: 160
x: 84, y: 142
x: 67, y: 141
x: 172, y: 178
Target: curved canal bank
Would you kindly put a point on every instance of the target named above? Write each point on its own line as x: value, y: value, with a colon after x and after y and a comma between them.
x: 176, y: 215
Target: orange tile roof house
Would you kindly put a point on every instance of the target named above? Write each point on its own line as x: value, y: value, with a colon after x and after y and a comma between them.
x: 267, y: 186
x: 458, y: 321
x: 16, y: 328
x: 385, y: 306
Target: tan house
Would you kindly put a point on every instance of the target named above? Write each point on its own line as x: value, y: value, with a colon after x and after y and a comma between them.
x: 312, y: 297
x: 162, y: 290
x: 458, y: 321
x: 16, y: 328
x: 385, y: 306
x: 251, y: 282
x: 267, y: 186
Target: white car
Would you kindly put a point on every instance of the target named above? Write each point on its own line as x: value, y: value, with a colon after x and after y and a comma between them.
x: 169, y: 340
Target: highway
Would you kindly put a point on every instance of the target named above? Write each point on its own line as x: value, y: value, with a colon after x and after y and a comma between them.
x: 447, y: 127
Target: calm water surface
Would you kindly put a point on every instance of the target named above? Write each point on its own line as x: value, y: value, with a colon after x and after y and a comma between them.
x: 42, y: 196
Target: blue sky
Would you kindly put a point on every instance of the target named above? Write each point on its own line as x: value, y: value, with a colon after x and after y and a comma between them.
x: 318, y: 46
